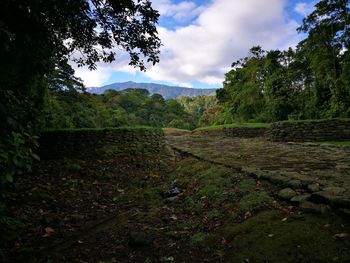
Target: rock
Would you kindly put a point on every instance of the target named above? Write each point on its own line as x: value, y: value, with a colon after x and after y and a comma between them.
x: 323, y: 197
x: 315, y: 187
x: 295, y: 184
x: 287, y: 193
x: 300, y: 198
x: 342, y: 167
x: 314, y: 208
x: 277, y: 179
x: 331, y: 198
x: 344, y: 212
x: 172, y: 199
x: 173, y: 192
x: 333, y: 190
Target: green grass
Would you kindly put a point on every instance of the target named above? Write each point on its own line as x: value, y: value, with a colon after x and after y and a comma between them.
x: 251, y: 125
x: 254, y: 200
x: 267, y: 237
x: 312, y: 120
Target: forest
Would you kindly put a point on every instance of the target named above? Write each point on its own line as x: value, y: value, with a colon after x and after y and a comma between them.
x: 130, y: 107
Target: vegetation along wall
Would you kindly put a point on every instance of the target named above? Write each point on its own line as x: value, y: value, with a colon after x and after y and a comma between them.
x: 310, y: 130
x: 100, y: 143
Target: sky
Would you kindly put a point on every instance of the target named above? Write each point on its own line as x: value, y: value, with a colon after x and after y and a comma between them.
x: 201, y: 39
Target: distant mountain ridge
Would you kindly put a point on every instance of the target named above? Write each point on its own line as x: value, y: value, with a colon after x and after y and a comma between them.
x: 168, y: 92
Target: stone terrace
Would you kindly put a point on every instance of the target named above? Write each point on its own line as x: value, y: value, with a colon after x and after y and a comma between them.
x: 320, y: 173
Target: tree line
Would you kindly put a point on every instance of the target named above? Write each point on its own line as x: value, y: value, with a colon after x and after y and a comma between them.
x: 130, y: 107
x: 310, y: 82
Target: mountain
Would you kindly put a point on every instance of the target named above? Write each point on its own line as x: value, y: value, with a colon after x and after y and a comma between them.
x: 168, y: 92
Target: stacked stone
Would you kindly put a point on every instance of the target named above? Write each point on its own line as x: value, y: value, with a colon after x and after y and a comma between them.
x: 94, y: 144
x: 307, y: 131
x: 244, y: 132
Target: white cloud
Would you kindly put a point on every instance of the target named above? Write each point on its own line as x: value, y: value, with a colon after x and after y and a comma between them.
x: 223, y: 33
x: 304, y: 9
x: 93, y: 78
x: 185, y: 10
x: 104, y: 71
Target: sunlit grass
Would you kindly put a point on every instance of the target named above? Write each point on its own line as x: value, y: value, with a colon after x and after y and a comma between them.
x: 235, y: 125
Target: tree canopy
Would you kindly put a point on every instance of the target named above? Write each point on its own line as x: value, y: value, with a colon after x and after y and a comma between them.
x: 312, y: 81
x: 130, y: 107
x: 37, y: 40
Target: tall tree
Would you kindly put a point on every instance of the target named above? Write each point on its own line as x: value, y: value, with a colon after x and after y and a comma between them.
x: 243, y: 89
x: 327, y: 47
x: 39, y: 37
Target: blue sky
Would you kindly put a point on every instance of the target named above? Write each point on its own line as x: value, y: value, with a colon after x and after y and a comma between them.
x: 202, y: 38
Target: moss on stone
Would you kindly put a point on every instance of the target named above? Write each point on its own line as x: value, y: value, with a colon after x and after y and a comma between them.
x: 266, y: 237
x: 254, y: 200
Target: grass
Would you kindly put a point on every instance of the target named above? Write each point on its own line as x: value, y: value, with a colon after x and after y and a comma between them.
x: 313, y: 120
x: 249, y: 125
x: 213, y: 182
x: 175, y: 131
x: 254, y: 200
x: 267, y: 237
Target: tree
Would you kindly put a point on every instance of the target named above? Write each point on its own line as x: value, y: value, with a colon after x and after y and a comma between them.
x: 38, y: 38
x: 327, y: 47
x: 243, y: 90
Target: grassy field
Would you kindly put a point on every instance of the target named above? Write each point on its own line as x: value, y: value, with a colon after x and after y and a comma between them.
x: 235, y: 125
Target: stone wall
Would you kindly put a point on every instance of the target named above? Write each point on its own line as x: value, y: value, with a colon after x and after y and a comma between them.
x: 102, y: 143
x: 310, y: 130
x: 244, y: 132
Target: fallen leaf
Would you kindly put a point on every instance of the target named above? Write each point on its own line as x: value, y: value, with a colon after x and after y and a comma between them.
x: 247, y: 214
x: 169, y: 259
x: 284, y: 219
x: 341, y: 236
x: 219, y: 253
x: 48, y: 232
x: 173, y: 217
x: 223, y: 241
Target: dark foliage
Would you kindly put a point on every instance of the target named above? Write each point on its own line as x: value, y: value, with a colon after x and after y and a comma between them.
x: 37, y: 38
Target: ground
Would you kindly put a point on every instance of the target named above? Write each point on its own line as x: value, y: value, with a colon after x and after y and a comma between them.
x: 206, y: 205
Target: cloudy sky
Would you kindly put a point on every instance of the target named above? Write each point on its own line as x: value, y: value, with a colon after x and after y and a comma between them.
x: 201, y: 39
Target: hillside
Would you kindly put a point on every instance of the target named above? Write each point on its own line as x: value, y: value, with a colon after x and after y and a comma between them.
x: 168, y: 92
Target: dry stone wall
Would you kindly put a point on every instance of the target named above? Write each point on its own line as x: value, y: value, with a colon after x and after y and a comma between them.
x: 306, y: 131
x: 93, y: 143
x: 243, y: 132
